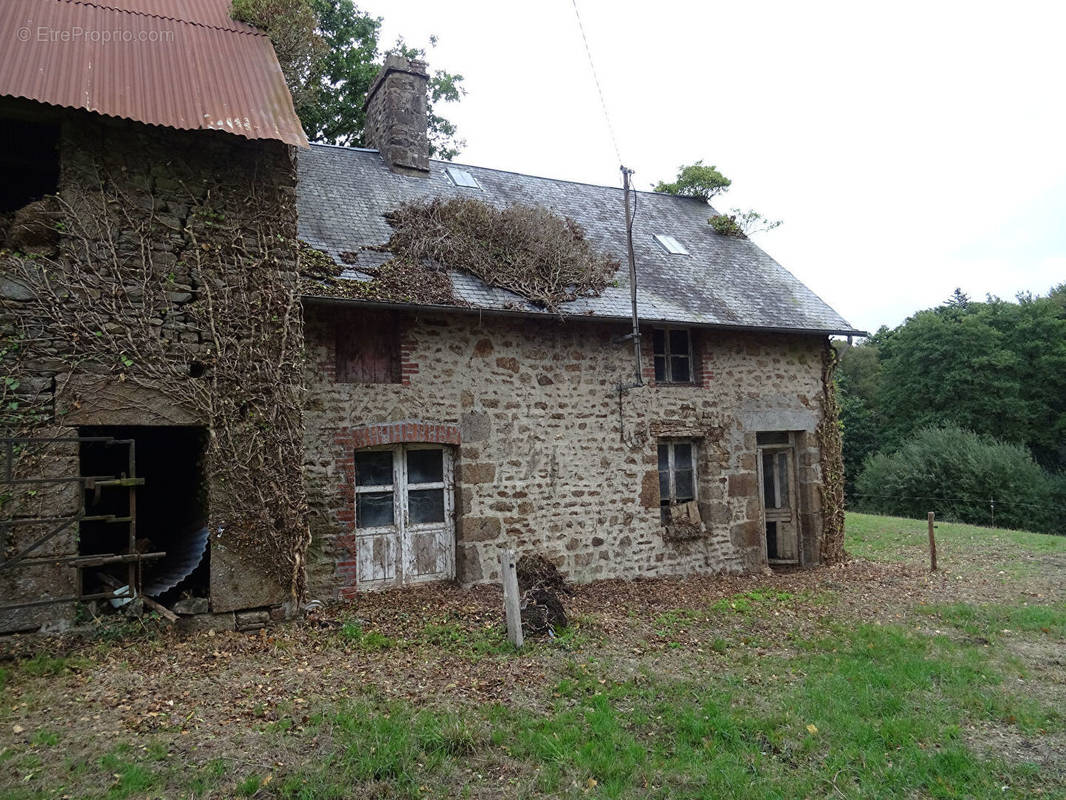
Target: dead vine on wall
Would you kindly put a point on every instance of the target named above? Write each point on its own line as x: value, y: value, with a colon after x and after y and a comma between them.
x: 218, y: 334
x: 832, y: 463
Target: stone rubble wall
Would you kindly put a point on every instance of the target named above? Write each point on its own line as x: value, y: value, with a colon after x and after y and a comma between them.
x: 171, y: 175
x: 550, y: 458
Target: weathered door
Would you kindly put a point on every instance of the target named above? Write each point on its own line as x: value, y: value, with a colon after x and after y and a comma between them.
x: 404, y: 519
x: 777, y: 473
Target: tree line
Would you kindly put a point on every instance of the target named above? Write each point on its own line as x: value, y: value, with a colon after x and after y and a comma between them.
x: 961, y: 410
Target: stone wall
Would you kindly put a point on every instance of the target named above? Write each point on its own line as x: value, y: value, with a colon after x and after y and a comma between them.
x: 551, y: 457
x: 154, y: 212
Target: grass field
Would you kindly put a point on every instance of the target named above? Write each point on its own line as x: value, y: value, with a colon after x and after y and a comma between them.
x: 870, y: 679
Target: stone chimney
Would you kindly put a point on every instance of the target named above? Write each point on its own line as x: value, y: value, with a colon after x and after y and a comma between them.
x: 397, y: 117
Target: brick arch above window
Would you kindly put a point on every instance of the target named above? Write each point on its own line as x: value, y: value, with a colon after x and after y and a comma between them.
x: 411, y: 430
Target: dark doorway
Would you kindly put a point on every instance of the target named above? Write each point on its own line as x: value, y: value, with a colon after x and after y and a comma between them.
x: 29, y: 162
x: 170, y: 507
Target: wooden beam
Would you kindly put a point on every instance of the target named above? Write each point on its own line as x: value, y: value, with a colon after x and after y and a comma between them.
x: 511, y: 599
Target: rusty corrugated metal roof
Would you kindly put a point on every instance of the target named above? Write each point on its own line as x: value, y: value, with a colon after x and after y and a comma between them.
x: 179, y: 63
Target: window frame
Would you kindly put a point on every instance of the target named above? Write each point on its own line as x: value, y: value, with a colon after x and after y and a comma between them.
x: 401, y: 486
x: 667, y: 355
x: 671, y: 244
x: 453, y: 171
x: 665, y: 504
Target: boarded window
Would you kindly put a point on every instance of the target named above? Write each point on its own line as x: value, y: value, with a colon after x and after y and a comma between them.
x: 368, y: 348
x: 677, y: 474
x: 672, y: 350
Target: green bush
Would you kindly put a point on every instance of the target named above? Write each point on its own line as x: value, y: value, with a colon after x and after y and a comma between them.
x: 956, y: 474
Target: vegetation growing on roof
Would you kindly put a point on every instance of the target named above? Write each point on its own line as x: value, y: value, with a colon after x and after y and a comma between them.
x: 742, y: 224
x: 528, y: 250
x: 696, y: 180
x: 727, y: 226
x: 703, y: 182
x: 395, y: 281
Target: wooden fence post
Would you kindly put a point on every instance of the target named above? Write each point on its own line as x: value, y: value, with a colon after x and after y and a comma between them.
x: 932, y: 544
x: 511, y: 600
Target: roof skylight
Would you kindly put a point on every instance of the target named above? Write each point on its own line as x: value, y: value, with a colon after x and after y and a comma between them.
x: 671, y: 245
x: 460, y: 177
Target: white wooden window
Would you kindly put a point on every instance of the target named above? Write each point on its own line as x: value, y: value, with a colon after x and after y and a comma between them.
x: 404, y: 516
x: 672, y: 351
x: 677, y: 474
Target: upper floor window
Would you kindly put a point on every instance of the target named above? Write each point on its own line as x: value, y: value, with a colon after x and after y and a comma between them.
x: 672, y: 350
x: 368, y: 348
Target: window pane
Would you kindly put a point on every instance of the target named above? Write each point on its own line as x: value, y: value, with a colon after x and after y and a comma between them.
x: 684, y: 486
x: 425, y: 505
x: 679, y: 369
x: 664, y: 457
x: 660, y: 368
x: 658, y: 341
x: 782, y: 477
x: 768, y: 480
x: 373, y: 509
x: 664, y: 486
x: 373, y: 468
x: 679, y: 343
x: 771, y: 437
x: 683, y: 455
x: 425, y: 466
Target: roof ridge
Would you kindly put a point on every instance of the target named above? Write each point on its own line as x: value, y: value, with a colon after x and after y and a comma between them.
x: 509, y: 172
x: 109, y: 5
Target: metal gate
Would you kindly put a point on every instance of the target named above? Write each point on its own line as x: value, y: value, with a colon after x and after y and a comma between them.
x: 12, y: 482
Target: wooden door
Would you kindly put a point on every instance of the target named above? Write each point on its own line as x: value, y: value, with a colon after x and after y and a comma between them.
x: 404, y: 519
x: 777, y: 475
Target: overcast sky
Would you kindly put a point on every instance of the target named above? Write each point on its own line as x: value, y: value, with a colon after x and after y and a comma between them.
x: 909, y: 147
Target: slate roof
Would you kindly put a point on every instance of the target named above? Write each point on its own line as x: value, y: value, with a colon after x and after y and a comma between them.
x: 343, y: 194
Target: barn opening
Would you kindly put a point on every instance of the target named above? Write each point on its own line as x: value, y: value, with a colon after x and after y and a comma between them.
x: 29, y: 162
x: 168, y: 511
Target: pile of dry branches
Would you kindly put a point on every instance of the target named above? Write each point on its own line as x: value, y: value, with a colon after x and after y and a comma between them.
x: 528, y: 250
x: 395, y: 281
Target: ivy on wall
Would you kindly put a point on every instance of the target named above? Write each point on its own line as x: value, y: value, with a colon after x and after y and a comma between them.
x: 176, y: 290
x: 830, y: 444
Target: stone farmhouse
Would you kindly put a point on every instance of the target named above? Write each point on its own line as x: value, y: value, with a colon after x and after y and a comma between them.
x: 205, y: 409
x: 438, y: 433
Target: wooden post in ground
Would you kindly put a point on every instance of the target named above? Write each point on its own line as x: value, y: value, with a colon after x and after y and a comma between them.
x: 932, y: 544
x: 512, y: 604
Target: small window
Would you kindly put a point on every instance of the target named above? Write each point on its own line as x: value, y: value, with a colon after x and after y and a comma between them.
x: 677, y: 475
x: 772, y: 437
x: 672, y: 350
x: 671, y: 245
x: 460, y: 177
